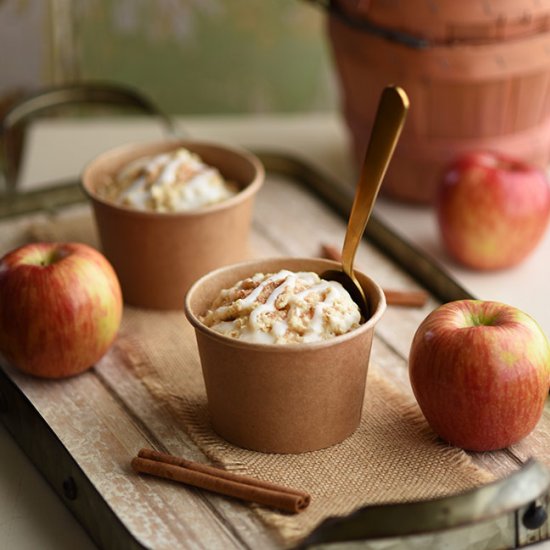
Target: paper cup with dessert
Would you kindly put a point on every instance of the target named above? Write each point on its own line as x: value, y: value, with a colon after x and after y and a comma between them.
x: 170, y: 211
x: 284, y: 353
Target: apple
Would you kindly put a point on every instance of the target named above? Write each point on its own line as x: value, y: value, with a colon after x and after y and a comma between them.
x: 60, y: 308
x: 480, y: 371
x: 492, y: 210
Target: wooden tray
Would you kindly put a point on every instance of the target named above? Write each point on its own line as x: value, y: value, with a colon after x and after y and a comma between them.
x: 51, y: 420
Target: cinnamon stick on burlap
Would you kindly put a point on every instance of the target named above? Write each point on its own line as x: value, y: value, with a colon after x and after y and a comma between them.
x: 406, y: 298
x: 220, y: 481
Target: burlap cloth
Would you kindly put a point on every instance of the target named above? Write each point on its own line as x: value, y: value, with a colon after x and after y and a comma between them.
x: 392, y: 457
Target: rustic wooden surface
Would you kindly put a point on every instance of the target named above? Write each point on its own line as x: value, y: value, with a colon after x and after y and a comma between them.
x: 105, y: 415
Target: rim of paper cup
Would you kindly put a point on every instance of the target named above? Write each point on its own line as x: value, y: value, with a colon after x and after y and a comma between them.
x: 244, y: 193
x: 296, y: 347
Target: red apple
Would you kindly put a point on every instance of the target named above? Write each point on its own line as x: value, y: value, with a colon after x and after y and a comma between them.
x: 60, y: 308
x: 492, y: 210
x: 480, y: 372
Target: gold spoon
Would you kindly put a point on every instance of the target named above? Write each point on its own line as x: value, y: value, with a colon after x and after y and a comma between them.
x: 390, y: 117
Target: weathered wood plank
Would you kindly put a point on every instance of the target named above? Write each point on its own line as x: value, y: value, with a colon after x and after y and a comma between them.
x: 165, y: 431
x: 103, y: 436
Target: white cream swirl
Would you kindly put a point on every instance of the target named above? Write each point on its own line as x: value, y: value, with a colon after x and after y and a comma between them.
x: 170, y: 182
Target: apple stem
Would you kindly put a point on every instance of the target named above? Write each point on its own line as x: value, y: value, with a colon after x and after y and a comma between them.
x: 481, y: 320
x: 46, y: 257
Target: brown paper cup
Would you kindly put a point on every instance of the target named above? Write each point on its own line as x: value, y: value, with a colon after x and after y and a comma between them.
x: 158, y: 256
x: 286, y: 398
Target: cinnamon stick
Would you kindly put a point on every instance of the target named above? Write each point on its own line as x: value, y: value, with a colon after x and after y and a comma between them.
x: 406, y: 298
x: 220, y: 481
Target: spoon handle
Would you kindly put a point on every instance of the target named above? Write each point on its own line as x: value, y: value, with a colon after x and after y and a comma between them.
x: 390, y: 117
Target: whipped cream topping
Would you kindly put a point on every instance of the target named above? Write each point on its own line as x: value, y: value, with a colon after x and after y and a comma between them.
x: 283, y: 308
x: 169, y: 182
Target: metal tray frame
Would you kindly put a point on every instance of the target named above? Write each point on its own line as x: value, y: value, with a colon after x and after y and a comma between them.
x: 519, y: 502
x: 522, y: 496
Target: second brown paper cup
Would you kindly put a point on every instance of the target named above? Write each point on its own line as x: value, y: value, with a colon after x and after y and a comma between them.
x: 158, y: 256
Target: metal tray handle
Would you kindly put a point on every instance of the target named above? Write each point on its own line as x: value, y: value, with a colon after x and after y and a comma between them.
x: 14, y: 124
x: 522, y: 495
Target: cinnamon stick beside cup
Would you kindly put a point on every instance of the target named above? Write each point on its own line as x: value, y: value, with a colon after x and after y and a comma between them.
x: 220, y: 481
x: 405, y: 298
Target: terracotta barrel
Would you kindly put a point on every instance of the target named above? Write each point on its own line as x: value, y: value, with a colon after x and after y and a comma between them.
x: 450, y: 21
x: 463, y: 96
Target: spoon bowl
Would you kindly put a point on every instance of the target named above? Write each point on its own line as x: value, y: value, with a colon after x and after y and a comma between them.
x: 388, y: 123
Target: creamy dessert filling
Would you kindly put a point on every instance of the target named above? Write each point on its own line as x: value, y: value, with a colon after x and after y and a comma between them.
x: 170, y: 182
x: 283, y: 308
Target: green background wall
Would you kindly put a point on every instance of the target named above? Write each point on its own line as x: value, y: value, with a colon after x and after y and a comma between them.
x: 210, y: 56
